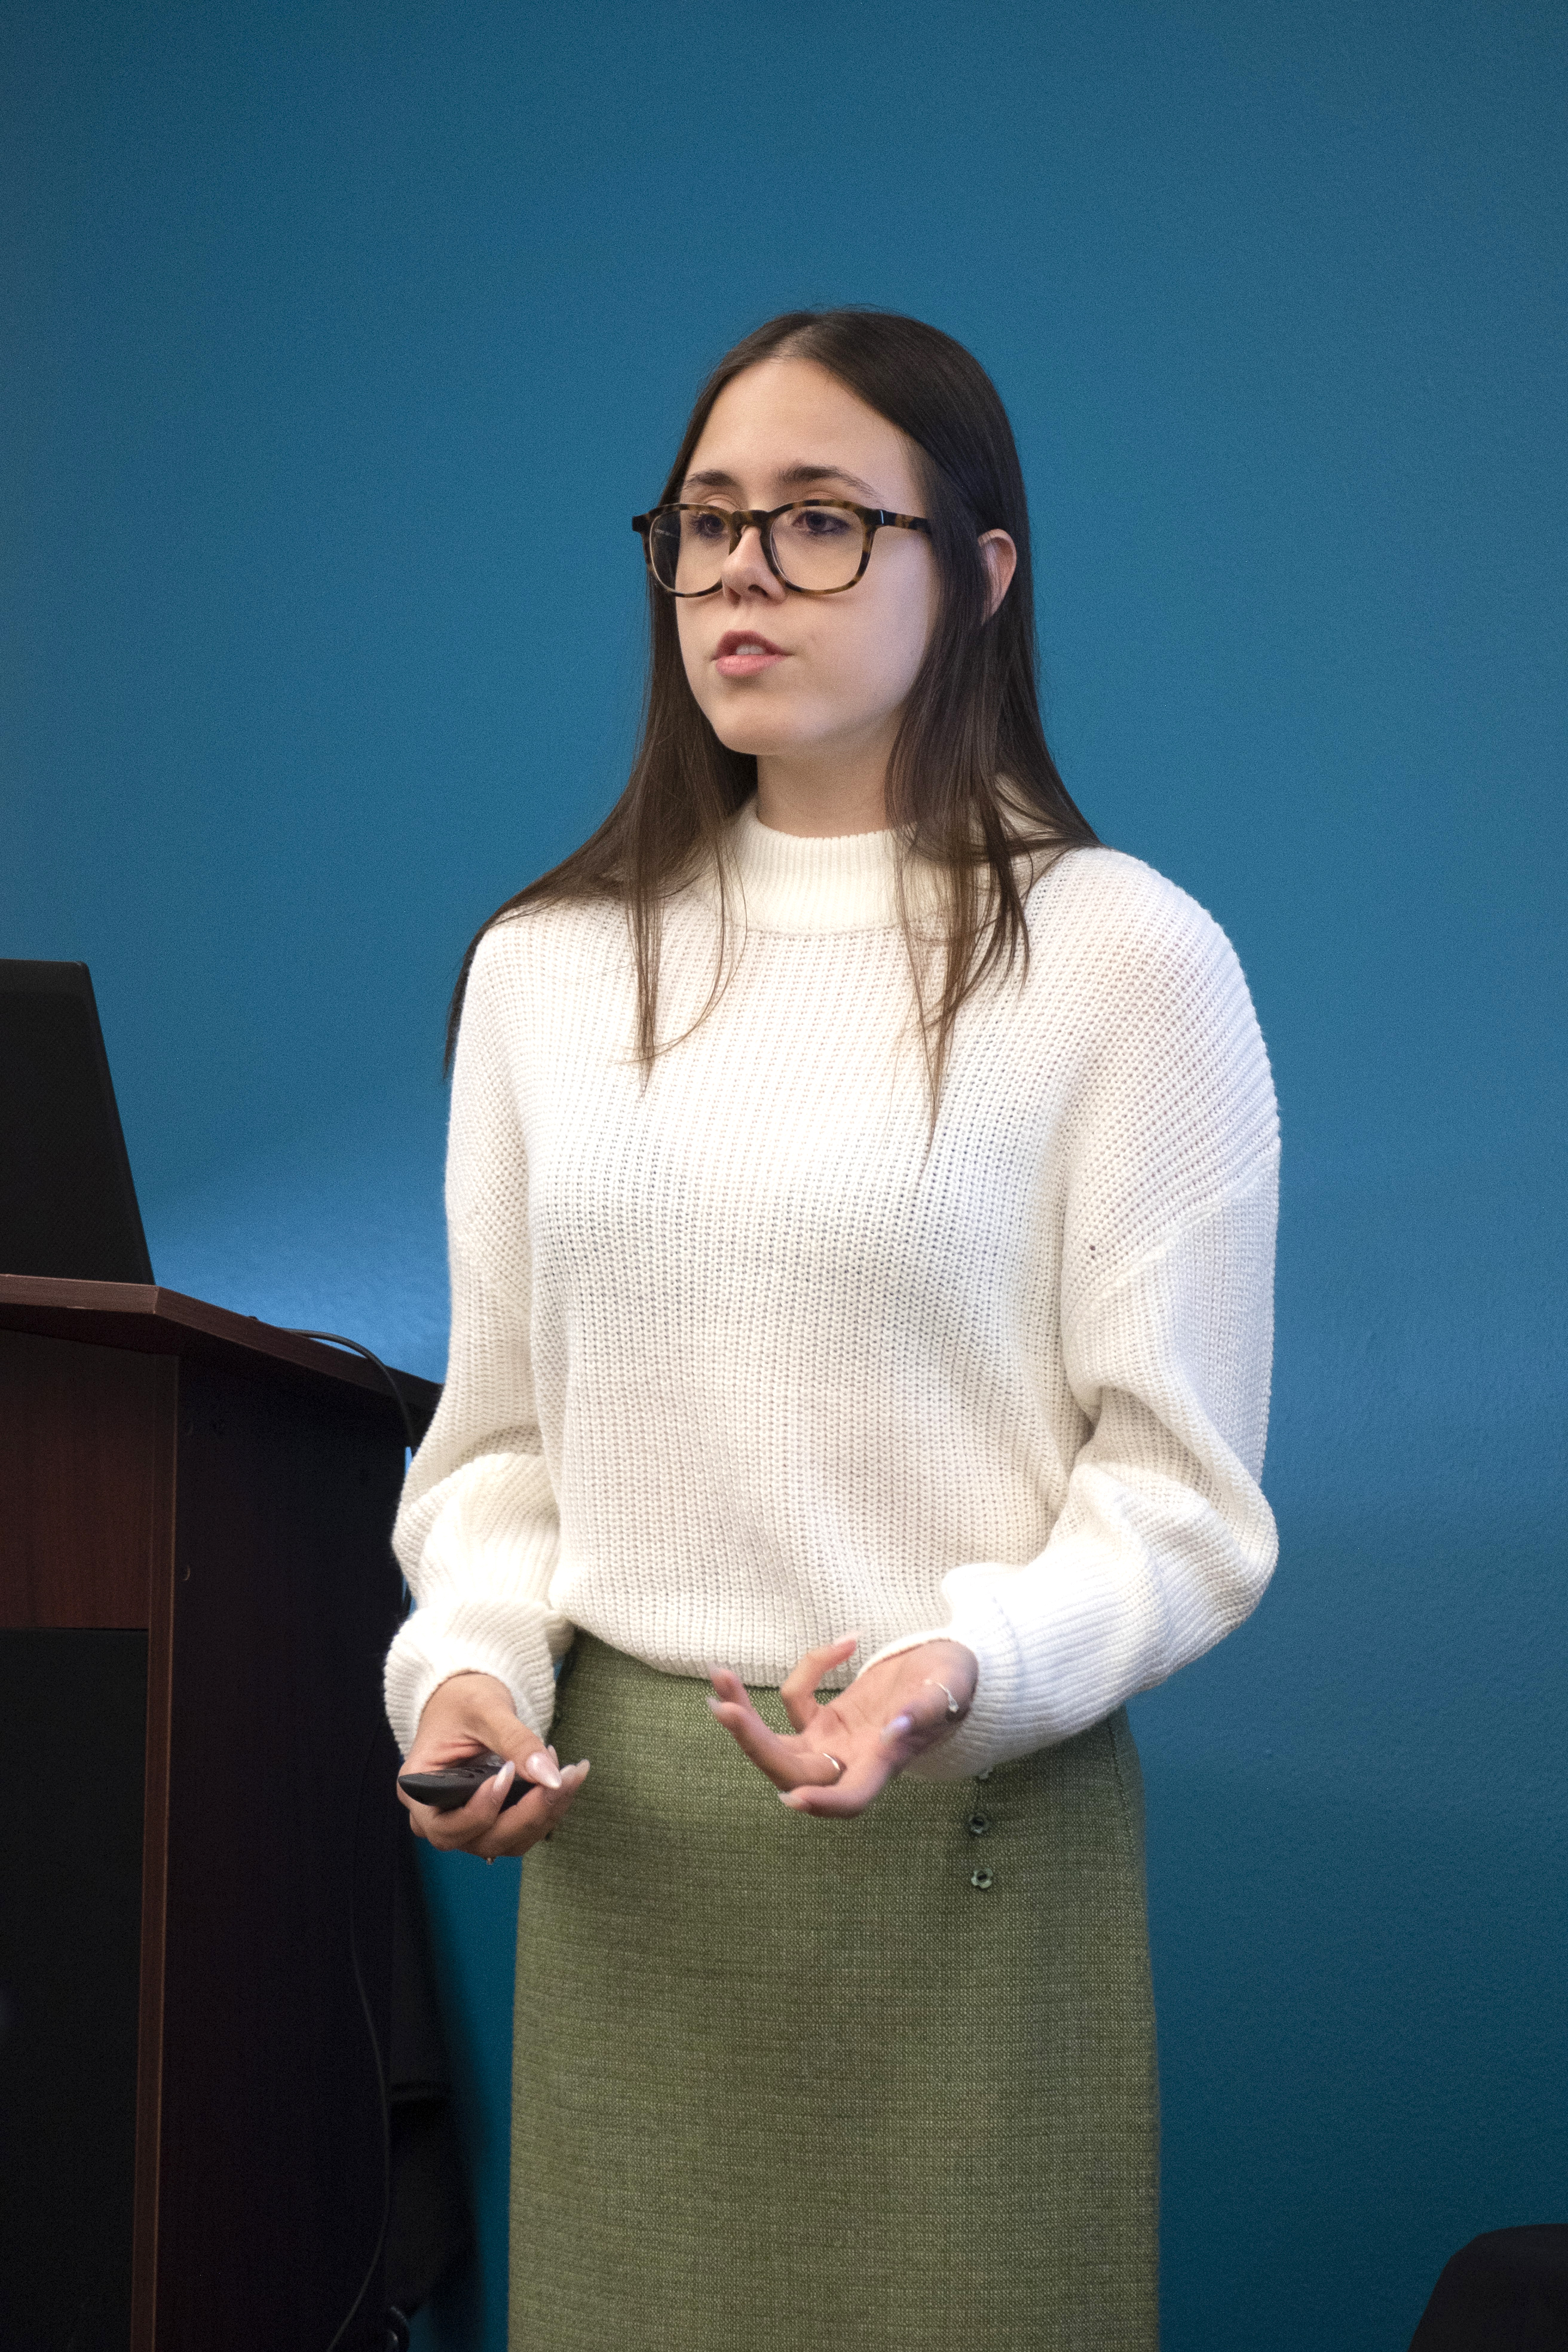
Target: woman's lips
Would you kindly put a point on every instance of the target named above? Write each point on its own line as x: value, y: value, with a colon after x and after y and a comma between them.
x: 742, y: 653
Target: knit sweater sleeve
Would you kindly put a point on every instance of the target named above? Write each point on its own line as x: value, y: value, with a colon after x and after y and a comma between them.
x: 1165, y: 1542
x: 477, y: 1530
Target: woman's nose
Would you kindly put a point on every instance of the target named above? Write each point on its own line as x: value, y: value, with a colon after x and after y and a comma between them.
x: 746, y: 568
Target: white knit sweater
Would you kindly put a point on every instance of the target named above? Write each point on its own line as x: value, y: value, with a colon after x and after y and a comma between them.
x: 742, y: 1358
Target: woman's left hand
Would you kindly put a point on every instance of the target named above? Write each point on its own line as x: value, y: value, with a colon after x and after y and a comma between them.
x: 887, y: 1716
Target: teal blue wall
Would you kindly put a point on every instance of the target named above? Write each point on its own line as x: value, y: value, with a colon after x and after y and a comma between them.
x: 340, y: 344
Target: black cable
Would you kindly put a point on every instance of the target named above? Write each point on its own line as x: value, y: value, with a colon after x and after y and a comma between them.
x: 386, y: 2104
x: 336, y: 1340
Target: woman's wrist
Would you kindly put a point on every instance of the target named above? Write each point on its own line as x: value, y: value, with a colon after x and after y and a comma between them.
x: 949, y: 1667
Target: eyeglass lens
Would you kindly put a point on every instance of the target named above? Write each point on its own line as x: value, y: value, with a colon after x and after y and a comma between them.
x: 815, y: 547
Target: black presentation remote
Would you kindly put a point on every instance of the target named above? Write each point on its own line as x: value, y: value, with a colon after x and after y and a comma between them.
x: 456, y: 1783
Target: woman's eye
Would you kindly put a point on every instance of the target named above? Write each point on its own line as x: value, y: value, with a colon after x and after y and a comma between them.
x: 820, y: 523
x: 708, y: 526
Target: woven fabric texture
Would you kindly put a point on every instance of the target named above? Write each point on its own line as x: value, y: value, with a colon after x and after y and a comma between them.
x: 747, y: 1357
x: 886, y: 2083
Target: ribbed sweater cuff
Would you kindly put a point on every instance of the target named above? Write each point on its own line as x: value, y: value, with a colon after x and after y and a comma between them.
x: 982, y: 1737
x: 484, y: 1637
x: 989, y: 1732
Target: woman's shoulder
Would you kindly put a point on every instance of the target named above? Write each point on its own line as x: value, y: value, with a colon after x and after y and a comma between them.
x: 1133, y: 924
x: 537, y: 966
x: 1099, y: 888
x: 524, y: 945
x: 1131, y: 972
x: 1129, y: 963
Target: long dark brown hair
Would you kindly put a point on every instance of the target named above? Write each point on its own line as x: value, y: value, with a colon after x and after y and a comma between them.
x: 970, y: 784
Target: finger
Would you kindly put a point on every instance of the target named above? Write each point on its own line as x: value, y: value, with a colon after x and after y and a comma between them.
x: 786, y: 1761
x: 459, y: 1827
x: 506, y: 1737
x: 767, y: 1748
x: 512, y: 1741
x: 918, y: 1721
x: 730, y: 1705
x: 729, y: 1686
x: 864, y: 1776
x: 482, y: 1716
x: 483, y: 1826
x: 523, y: 1825
x: 798, y: 1690
x: 460, y: 1824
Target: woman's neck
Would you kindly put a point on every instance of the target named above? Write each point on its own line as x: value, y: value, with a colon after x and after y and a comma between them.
x: 818, y: 802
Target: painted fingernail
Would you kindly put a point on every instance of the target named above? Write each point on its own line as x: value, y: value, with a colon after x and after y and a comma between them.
x: 541, y: 1768
x: 714, y: 1705
x: 899, y: 1727
x: 504, y: 1778
x: 575, y: 1773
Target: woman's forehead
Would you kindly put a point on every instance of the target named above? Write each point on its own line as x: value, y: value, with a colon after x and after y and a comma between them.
x: 787, y: 421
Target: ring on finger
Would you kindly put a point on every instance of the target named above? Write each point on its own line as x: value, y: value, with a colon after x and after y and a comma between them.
x: 953, y: 1709
x: 837, y: 1768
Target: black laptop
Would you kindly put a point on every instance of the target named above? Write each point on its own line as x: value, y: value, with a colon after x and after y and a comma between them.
x: 68, y: 1205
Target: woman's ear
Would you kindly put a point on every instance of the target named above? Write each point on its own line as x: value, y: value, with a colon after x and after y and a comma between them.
x: 1000, y: 558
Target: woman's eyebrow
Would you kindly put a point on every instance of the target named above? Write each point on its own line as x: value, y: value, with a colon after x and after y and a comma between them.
x: 793, y: 478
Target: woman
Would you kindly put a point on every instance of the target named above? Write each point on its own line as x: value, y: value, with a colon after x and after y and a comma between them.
x: 861, y: 1192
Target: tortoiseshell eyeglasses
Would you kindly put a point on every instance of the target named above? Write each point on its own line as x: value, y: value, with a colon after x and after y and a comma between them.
x: 818, y: 547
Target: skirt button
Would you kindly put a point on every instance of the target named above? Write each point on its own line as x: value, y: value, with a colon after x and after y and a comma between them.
x: 981, y: 1878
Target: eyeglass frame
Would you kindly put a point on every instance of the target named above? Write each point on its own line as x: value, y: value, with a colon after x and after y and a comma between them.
x: 762, y: 520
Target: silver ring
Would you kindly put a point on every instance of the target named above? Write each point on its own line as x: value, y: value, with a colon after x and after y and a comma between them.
x: 837, y: 1768
x: 953, y: 1709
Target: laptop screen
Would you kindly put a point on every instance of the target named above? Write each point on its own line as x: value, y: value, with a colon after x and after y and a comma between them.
x: 68, y: 1204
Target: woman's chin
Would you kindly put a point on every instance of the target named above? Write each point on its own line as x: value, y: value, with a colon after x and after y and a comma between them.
x: 760, y: 742
x: 763, y: 734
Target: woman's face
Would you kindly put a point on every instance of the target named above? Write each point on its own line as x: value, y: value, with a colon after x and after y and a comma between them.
x: 806, y: 681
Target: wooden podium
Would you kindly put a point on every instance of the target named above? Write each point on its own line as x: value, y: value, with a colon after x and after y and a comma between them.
x: 198, y: 1816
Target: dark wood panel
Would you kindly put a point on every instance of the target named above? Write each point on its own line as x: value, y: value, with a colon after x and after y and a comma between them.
x: 284, y: 1599
x: 70, y: 1928
x: 79, y: 1472
x: 155, y: 1871
x: 154, y: 1321
x: 241, y: 1515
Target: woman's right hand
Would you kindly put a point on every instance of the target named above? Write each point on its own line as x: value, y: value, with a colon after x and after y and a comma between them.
x: 463, y: 1716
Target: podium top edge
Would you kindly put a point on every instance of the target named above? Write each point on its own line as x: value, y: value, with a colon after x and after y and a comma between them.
x: 145, y: 1316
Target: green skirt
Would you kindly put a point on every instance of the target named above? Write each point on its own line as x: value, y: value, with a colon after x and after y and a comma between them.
x: 885, y: 2083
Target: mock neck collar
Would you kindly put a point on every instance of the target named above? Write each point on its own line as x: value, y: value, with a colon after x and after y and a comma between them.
x: 848, y: 882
